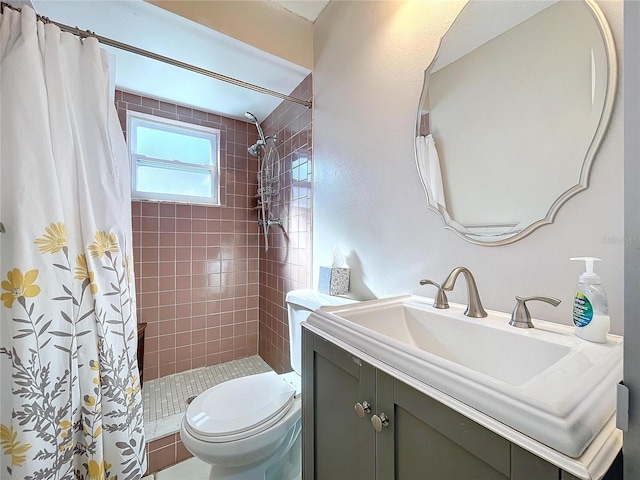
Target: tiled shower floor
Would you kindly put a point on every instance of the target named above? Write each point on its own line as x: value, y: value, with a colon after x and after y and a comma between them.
x: 165, y: 398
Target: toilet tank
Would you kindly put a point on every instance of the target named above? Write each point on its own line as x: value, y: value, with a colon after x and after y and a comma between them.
x: 300, y: 304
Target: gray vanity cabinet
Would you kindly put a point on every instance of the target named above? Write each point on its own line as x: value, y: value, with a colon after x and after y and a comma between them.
x: 337, y: 443
x: 421, y: 438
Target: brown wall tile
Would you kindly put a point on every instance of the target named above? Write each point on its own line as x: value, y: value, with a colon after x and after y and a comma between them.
x: 286, y: 265
x: 164, y: 452
x: 206, y: 288
x: 175, y: 245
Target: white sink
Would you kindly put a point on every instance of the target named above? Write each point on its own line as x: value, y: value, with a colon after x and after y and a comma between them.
x: 544, y: 382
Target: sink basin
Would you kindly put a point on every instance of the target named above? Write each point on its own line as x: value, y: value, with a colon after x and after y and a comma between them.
x: 544, y: 382
x: 513, y: 359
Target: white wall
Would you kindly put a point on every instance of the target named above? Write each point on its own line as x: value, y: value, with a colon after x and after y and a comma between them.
x: 369, y: 59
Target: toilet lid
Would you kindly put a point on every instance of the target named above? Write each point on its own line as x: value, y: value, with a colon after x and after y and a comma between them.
x: 239, y: 405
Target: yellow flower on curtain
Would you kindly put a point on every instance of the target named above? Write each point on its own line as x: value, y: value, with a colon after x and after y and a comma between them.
x: 54, y: 239
x: 65, y: 425
x: 96, y: 471
x: 103, y: 242
x: 66, y: 441
x: 133, y: 389
x: 18, y: 285
x: 10, y: 445
x: 82, y: 272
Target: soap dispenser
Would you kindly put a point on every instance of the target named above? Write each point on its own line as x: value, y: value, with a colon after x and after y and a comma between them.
x: 590, y: 306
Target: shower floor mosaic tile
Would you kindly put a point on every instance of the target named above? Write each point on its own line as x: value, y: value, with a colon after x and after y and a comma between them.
x: 165, y: 398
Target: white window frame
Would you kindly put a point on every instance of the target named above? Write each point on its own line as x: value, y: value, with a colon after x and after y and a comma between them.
x: 169, y: 125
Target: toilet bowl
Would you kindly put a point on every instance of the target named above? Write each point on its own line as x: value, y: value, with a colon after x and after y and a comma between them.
x: 249, y: 428
x: 244, y: 427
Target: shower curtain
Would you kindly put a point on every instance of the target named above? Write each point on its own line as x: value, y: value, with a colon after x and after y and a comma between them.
x: 70, y: 400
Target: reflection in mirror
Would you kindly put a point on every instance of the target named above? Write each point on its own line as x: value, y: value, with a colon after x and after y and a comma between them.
x: 513, y: 109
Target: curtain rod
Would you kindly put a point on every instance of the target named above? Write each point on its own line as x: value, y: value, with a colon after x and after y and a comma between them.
x: 161, y: 58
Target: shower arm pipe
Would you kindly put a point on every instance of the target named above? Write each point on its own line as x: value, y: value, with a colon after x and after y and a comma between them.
x: 161, y: 58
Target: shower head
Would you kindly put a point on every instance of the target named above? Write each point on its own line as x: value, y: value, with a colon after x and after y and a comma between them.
x: 251, y: 117
x: 255, y: 148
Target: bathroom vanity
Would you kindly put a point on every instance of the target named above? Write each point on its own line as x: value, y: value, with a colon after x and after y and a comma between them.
x: 364, y: 418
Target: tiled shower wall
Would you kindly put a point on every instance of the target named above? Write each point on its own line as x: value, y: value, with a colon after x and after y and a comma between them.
x: 197, y: 267
x: 286, y: 265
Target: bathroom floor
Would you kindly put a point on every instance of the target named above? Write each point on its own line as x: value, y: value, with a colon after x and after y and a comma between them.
x: 192, y: 469
x: 165, y: 398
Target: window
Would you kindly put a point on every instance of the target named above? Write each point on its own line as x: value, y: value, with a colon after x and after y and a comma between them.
x: 173, y: 161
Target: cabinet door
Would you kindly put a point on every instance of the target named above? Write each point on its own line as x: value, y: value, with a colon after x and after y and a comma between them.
x: 427, y: 440
x: 337, y: 443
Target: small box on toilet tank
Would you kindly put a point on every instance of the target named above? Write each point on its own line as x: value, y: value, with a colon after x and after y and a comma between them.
x: 334, y: 280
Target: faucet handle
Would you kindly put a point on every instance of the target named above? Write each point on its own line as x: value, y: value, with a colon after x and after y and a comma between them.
x: 520, y: 317
x: 441, y: 297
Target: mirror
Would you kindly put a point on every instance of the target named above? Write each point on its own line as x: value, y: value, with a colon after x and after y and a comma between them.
x: 514, y: 107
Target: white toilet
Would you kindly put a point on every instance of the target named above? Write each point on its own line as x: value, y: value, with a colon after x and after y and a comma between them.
x: 249, y: 428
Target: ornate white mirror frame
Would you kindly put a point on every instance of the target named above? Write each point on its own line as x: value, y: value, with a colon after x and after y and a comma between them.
x: 508, y: 77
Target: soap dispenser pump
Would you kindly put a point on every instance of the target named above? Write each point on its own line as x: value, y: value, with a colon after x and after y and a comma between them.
x: 590, y: 306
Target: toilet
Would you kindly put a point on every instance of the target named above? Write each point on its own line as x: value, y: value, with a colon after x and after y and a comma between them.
x: 249, y: 428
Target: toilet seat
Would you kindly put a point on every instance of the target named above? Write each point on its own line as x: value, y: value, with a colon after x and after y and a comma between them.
x: 239, y: 408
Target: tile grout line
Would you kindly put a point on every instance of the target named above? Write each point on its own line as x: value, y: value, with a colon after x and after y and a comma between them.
x: 167, y: 396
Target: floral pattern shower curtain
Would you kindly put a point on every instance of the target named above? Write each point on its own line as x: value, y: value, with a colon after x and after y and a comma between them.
x: 70, y: 400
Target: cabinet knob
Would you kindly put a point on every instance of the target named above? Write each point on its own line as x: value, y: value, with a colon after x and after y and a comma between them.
x: 362, y: 408
x: 379, y: 422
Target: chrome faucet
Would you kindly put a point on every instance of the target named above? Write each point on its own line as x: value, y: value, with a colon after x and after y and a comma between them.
x: 441, y: 297
x: 474, y: 306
